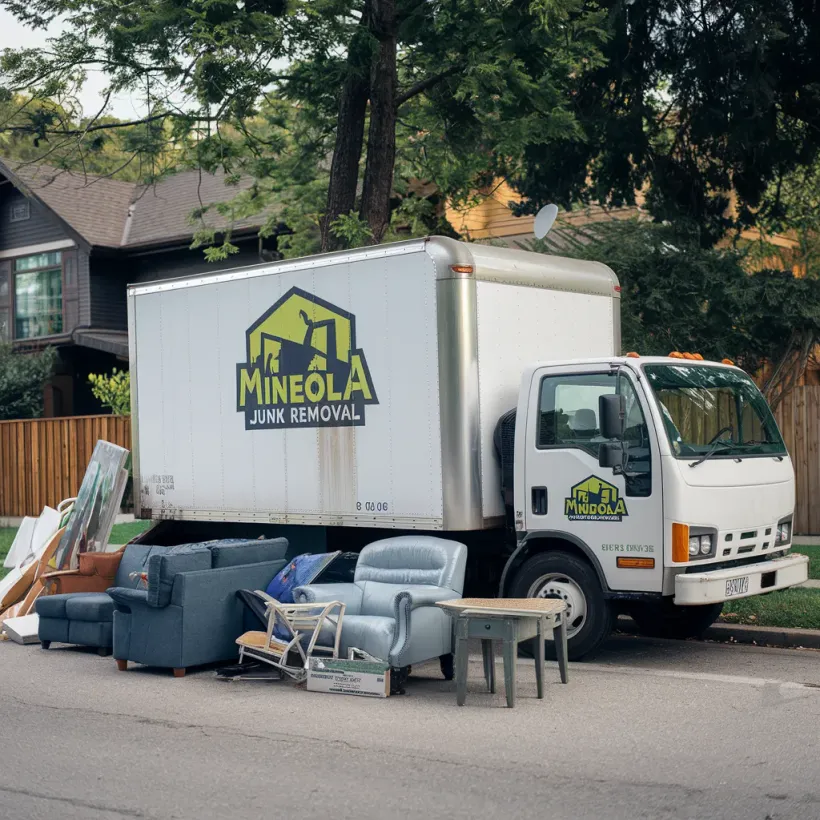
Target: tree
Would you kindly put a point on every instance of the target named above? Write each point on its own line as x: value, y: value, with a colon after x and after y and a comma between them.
x: 677, y: 295
x: 22, y: 379
x: 701, y: 104
x: 473, y: 81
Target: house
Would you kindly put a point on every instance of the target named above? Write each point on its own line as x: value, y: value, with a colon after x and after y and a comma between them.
x: 69, y: 245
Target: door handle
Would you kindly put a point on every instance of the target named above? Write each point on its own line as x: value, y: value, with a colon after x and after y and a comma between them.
x: 539, y: 500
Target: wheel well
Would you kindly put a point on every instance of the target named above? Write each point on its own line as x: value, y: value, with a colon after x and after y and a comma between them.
x: 549, y: 543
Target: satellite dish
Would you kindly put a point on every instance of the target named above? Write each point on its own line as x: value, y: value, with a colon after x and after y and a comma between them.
x: 544, y: 220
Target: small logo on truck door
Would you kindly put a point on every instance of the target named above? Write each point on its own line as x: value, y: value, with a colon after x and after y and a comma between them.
x: 303, y: 368
x: 594, y: 499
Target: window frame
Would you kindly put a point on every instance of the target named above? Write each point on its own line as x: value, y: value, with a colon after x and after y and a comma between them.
x: 13, y: 295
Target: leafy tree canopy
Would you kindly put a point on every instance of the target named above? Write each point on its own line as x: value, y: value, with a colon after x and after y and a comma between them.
x: 696, y: 102
x: 323, y: 102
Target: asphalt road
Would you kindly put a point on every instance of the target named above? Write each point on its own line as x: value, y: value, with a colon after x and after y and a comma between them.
x: 651, y: 729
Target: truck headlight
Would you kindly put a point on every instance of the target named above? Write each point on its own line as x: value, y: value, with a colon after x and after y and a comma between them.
x: 705, y: 544
x: 694, y: 545
x: 784, y: 533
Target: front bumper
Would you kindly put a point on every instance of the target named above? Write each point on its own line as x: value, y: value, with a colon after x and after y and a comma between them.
x: 741, y: 581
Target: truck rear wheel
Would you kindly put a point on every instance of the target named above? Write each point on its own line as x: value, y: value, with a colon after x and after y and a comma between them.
x: 662, y: 619
x: 590, y: 617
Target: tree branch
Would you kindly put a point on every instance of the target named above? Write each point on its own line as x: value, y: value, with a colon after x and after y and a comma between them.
x: 424, y: 85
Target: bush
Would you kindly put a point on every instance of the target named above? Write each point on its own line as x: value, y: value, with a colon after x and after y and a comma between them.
x: 22, y: 378
x: 113, y: 392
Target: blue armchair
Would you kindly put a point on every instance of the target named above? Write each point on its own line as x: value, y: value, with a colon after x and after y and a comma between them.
x: 190, y: 614
x: 390, y: 606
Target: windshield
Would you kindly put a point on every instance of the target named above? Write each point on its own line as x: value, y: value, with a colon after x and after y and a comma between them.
x: 713, y: 408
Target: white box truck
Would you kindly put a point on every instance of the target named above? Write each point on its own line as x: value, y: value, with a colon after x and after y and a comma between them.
x: 466, y: 390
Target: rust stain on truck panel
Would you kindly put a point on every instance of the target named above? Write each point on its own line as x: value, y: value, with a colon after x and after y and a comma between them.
x: 337, y: 468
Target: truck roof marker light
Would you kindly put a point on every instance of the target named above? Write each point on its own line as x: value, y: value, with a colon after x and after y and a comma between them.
x: 625, y: 562
x: 727, y: 361
x: 698, y: 356
x: 689, y: 356
x: 617, y: 288
x: 675, y: 355
x: 468, y: 269
x: 680, y: 543
x: 633, y: 355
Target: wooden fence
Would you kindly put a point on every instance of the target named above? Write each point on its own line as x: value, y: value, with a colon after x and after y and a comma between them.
x: 43, y: 461
x: 798, y: 416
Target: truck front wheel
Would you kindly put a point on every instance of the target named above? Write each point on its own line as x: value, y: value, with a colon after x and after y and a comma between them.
x: 662, y: 619
x: 590, y: 618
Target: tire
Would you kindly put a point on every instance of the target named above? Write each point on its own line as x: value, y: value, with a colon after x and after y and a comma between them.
x: 563, y: 575
x: 663, y: 619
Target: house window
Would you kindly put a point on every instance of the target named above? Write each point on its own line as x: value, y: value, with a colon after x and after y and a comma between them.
x: 38, y: 295
x: 20, y: 211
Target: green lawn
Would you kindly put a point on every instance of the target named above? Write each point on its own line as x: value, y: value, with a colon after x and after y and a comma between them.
x: 120, y: 534
x: 789, y: 608
x: 814, y: 559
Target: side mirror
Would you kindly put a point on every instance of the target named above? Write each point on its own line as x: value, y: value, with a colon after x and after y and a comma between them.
x: 611, y: 415
x: 611, y: 454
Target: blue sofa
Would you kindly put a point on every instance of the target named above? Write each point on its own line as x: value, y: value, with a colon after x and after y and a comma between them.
x: 87, y: 618
x: 190, y: 614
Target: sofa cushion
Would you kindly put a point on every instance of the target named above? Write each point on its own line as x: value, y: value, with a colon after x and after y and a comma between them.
x: 239, y: 553
x: 371, y: 633
x: 162, y: 569
x: 89, y: 606
x: 52, y: 606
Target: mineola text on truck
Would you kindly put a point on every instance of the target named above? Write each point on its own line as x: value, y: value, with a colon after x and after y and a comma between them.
x: 449, y: 388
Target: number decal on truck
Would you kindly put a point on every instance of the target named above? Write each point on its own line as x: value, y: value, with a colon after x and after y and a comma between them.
x: 372, y: 506
x: 737, y: 586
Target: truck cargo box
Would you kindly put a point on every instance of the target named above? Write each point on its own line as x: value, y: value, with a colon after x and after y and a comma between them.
x: 358, y: 388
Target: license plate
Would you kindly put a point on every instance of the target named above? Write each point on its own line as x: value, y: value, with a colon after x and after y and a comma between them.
x: 737, y: 586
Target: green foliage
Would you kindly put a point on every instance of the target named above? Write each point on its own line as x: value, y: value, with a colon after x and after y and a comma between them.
x: 253, y: 88
x: 113, y: 392
x: 695, y: 100
x: 793, y: 608
x: 677, y: 295
x: 22, y: 378
x: 352, y: 230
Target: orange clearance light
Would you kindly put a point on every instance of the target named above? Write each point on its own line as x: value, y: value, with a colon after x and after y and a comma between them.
x: 635, y: 563
x: 727, y: 361
x: 633, y: 355
x: 680, y: 543
x: 698, y: 357
x: 675, y: 355
x: 461, y: 268
x: 689, y: 356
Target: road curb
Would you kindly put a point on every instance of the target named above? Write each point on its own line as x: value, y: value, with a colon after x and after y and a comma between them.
x: 741, y: 633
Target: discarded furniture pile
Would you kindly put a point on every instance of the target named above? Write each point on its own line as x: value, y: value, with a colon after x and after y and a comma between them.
x: 331, y: 622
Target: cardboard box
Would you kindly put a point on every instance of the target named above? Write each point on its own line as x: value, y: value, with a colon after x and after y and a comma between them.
x: 369, y: 679
x: 23, y: 629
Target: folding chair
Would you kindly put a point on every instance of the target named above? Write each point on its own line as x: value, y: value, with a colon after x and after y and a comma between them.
x: 293, y: 635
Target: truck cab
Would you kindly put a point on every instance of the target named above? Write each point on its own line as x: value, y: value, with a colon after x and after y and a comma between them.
x: 657, y: 487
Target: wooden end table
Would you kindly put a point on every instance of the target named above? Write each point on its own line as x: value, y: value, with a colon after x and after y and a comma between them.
x: 509, y: 620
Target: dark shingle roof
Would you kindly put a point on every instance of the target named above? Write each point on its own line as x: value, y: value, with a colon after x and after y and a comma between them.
x: 162, y: 212
x: 113, y: 214
x: 95, y: 207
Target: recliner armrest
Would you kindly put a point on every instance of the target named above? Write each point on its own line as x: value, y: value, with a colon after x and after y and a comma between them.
x: 349, y: 594
x: 417, y: 596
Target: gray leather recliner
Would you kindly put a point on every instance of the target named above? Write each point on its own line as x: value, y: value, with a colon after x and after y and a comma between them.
x: 390, y: 606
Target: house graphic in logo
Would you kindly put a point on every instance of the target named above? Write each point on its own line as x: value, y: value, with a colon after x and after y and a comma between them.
x: 594, y: 499
x: 303, y: 368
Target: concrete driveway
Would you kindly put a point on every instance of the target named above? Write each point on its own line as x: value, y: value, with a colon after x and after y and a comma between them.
x: 650, y: 729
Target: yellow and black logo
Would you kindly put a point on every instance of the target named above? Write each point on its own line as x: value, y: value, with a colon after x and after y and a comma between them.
x: 594, y: 500
x: 303, y: 367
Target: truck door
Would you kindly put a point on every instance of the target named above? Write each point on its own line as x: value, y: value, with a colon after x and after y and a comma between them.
x: 616, y: 517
